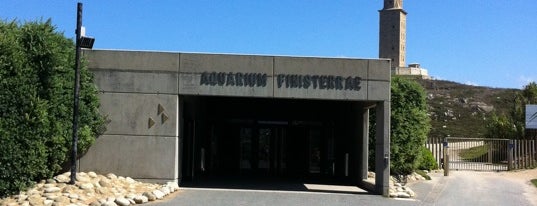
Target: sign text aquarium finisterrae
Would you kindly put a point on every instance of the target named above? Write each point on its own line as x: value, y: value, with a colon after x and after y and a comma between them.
x: 239, y: 79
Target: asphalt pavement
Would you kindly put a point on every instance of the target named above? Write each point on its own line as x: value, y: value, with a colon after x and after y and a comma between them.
x: 460, y: 188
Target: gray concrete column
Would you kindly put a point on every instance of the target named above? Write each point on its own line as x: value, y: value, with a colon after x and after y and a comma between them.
x: 382, y: 148
x: 365, y: 143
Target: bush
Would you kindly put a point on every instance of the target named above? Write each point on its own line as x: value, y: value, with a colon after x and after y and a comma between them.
x: 427, y: 161
x: 36, y: 97
x: 409, y: 126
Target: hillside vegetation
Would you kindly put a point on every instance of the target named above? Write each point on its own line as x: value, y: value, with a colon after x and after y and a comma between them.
x: 459, y: 110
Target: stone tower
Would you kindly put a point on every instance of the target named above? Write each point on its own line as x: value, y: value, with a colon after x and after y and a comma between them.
x: 392, y: 32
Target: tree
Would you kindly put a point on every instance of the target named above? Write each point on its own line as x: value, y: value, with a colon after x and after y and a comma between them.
x: 512, y: 125
x: 36, y: 91
x: 410, y: 126
x: 530, y: 93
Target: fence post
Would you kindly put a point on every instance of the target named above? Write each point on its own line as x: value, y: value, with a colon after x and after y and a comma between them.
x: 489, y: 153
x: 510, y: 155
x: 446, y: 157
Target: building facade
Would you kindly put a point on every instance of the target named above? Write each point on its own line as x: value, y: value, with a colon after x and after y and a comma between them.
x: 183, y: 116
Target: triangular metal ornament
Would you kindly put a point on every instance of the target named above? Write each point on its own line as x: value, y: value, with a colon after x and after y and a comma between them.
x: 150, y: 123
x: 163, y: 118
x: 160, y: 109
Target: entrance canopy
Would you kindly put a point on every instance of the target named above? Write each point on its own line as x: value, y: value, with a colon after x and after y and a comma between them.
x: 155, y: 100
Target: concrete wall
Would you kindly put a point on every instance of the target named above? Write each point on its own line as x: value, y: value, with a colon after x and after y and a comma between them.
x: 140, y: 96
x: 280, y: 73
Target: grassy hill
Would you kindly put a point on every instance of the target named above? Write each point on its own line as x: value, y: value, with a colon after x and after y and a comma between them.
x: 459, y: 110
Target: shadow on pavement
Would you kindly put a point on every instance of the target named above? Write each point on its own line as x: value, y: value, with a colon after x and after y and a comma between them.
x: 272, y: 184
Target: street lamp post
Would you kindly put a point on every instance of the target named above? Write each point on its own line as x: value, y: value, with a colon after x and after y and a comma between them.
x: 80, y: 42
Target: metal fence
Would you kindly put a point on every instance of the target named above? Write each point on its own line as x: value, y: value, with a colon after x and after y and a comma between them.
x: 435, y: 145
x: 478, y: 154
x: 481, y: 154
x: 524, y: 154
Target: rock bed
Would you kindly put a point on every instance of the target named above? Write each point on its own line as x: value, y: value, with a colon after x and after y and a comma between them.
x: 90, y: 189
x: 397, y: 189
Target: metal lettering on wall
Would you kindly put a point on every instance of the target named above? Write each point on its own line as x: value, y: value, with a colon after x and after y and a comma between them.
x: 233, y: 79
x: 329, y: 82
x: 318, y: 82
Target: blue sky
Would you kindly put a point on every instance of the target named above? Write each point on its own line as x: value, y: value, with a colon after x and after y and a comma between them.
x: 481, y: 42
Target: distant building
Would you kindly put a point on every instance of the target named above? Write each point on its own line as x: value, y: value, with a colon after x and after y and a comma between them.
x: 392, y: 39
x: 531, y: 120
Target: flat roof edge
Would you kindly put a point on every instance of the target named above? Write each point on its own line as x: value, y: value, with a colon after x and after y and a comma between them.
x: 238, y: 54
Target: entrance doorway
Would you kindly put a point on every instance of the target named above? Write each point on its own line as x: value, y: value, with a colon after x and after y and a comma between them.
x: 253, y: 138
x: 263, y: 149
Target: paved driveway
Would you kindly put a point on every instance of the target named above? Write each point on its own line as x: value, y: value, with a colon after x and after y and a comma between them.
x: 476, y: 189
x: 460, y: 188
x: 223, y: 197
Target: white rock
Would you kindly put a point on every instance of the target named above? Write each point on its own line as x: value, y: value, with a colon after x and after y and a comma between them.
x: 92, y: 174
x: 111, y: 176
x: 104, y: 183
x: 165, y: 190
x: 51, y: 196
x: 122, y: 201
x: 130, y: 180
x: 23, y: 197
x: 158, y: 194
x: 109, y: 204
x: 73, y: 196
x: 52, y: 190
x: 140, y: 199
x: 150, y: 196
x: 403, y: 195
x: 48, y: 202
x: 86, y: 186
x: 130, y: 196
x: 173, y: 186
x: 411, y: 193
x: 95, y: 203
x: 62, y: 178
x: 48, y: 185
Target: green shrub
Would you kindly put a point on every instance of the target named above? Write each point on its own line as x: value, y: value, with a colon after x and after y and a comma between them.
x: 427, y: 161
x: 36, y: 98
x: 409, y: 126
x: 534, y: 182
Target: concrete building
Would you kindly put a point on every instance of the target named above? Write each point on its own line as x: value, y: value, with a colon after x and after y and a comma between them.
x: 185, y: 116
x: 392, y: 39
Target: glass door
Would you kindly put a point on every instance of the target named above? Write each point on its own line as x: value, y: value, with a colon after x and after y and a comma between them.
x: 314, y: 151
x: 263, y: 150
x: 246, y: 142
